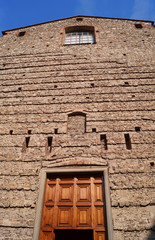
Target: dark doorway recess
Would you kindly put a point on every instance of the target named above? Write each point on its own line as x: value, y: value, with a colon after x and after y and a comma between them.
x: 66, y: 234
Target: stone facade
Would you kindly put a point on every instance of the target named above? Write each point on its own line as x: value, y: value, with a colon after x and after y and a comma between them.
x: 71, y: 105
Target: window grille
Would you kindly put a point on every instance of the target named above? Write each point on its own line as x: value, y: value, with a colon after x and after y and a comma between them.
x: 79, y: 37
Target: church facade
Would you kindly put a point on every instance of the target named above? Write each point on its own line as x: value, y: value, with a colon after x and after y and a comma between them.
x: 77, y: 130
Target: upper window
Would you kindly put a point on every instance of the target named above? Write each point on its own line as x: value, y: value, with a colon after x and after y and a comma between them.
x: 79, y: 35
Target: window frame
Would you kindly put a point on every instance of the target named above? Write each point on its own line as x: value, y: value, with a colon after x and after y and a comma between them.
x: 76, y: 30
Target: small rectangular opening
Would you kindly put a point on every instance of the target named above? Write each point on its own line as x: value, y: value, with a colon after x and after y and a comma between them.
x: 103, y: 139
x: 56, y: 130
x: 93, y: 129
x: 49, y: 142
x: 126, y: 84
x: 21, y: 34
x: 68, y: 234
x: 79, y: 19
x: 11, y: 132
x: 27, y: 140
x: 25, y: 144
x: 127, y: 141
x: 138, y: 25
x: 152, y: 164
x: 137, y: 129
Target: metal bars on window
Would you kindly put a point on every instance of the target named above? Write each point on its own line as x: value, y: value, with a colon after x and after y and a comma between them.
x: 80, y: 37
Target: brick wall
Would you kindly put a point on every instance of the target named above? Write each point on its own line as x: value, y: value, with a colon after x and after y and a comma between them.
x: 111, y: 83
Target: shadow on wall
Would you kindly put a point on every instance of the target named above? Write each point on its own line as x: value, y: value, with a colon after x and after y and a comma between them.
x: 152, y: 233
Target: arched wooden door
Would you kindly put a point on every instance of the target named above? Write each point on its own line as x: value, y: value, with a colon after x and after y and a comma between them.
x: 73, y: 203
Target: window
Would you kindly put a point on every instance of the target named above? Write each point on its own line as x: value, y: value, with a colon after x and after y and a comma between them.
x: 79, y: 35
x: 79, y: 38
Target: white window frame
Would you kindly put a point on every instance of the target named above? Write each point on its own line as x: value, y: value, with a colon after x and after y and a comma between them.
x: 79, y: 37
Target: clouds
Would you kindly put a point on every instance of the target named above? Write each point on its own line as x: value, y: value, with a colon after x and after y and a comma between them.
x: 85, y: 7
x: 143, y: 9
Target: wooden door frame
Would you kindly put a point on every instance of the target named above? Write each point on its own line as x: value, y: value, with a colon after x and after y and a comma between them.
x: 43, y: 178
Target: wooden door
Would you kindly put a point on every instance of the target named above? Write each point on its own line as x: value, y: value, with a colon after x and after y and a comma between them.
x: 74, y: 202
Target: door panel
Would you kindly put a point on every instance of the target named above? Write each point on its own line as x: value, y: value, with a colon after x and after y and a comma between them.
x: 47, y: 220
x: 83, y: 193
x: 50, y: 193
x: 65, y: 216
x: 99, y: 216
x: 66, y: 194
x: 73, y: 203
x: 47, y: 235
x: 83, y: 217
x: 98, y: 193
x: 99, y: 235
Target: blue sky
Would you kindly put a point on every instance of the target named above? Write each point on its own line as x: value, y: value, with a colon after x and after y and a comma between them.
x: 18, y: 13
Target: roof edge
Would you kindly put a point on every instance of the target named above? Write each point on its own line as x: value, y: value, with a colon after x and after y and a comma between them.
x: 60, y: 19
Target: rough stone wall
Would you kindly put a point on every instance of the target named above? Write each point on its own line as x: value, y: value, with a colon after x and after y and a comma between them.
x: 112, y: 83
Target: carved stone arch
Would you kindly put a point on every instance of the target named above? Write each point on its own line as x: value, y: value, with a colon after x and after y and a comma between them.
x: 76, y: 124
